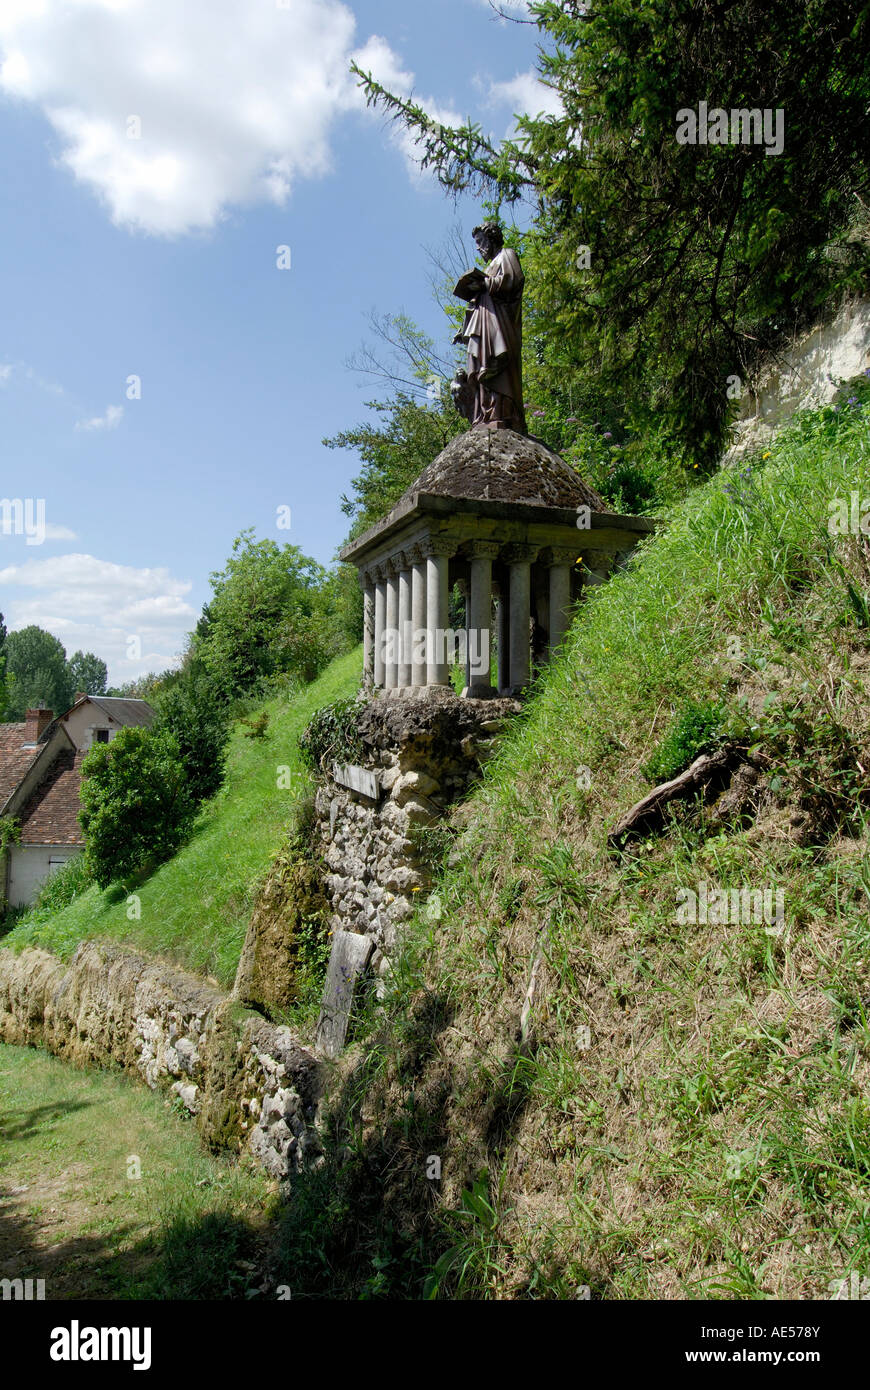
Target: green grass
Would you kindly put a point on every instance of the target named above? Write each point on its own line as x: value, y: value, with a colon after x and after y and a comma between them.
x: 191, y: 1226
x: 195, y: 908
x: 709, y: 1136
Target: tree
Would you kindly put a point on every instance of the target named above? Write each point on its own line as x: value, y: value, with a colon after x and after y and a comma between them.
x: 265, y: 594
x: 665, y: 269
x: 3, y: 688
x: 394, y: 451
x: 195, y: 715
x: 87, y: 673
x: 137, y: 804
x: 36, y: 665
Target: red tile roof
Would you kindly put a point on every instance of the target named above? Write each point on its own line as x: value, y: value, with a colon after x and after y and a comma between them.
x: 14, y: 759
x: 50, y: 817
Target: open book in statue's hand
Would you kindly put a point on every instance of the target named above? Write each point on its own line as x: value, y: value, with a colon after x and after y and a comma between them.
x: 470, y: 284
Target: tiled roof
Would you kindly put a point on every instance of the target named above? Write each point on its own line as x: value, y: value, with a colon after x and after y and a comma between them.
x: 50, y: 817
x: 125, y: 711
x: 14, y: 759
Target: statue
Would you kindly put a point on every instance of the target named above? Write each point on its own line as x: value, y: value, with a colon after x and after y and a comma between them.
x: 489, y: 392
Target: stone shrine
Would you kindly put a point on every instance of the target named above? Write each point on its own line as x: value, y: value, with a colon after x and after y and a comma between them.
x: 507, y: 519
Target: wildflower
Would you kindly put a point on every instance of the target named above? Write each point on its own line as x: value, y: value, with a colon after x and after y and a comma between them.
x: 765, y: 456
x: 607, y: 434
x: 539, y: 413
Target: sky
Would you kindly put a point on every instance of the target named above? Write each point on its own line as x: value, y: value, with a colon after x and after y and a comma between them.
x: 165, y: 383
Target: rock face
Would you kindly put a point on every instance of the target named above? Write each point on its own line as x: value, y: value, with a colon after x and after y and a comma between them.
x: 806, y: 374
x: 426, y: 752
x: 249, y: 1084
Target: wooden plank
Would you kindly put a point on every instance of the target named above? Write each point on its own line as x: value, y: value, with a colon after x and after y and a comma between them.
x: 349, y: 956
x: 358, y: 779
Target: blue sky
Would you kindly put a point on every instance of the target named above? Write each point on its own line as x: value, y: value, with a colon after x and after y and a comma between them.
x: 155, y: 257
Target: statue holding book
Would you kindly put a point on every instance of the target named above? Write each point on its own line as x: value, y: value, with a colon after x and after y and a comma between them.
x: 489, y: 392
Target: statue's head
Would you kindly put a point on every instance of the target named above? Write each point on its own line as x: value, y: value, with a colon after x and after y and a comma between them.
x: 489, y: 239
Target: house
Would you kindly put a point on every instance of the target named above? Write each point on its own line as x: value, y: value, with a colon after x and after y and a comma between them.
x: 40, y: 781
x: 98, y: 718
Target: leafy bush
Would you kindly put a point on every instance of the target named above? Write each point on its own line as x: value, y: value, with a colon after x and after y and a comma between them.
x: 332, y: 736
x: 193, y: 713
x: 137, y: 804
x: 696, y: 729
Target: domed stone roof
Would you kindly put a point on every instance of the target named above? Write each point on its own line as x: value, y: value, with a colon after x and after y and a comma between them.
x: 503, y: 466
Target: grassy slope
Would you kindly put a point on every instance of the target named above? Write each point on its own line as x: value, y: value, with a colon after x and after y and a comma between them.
x: 196, y: 907
x: 714, y: 1138
x: 189, y: 1227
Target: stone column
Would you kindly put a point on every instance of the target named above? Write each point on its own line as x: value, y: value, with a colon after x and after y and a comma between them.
x: 391, y: 655
x: 368, y: 628
x: 380, y: 624
x: 502, y: 614
x: 418, y: 616
x: 482, y: 554
x: 437, y: 550
x: 519, y: 558
x: 559, y: 563
x: 404, y: 677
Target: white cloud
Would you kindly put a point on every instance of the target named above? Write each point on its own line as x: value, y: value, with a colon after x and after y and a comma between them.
x: 97, y: 605
x: 236, y: 101
x: 377, y: 57
x: 5, y: 371
x: 109, y: 421
x: 526, y: 95
x: 58, y: 533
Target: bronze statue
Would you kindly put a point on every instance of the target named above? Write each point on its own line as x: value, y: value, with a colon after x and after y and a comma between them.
x: 489, y: 392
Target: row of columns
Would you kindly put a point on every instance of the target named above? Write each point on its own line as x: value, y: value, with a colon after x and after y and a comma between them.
x: 407, y: 596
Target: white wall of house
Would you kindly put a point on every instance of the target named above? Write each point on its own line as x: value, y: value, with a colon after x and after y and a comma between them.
x: 28, y: 866
x: 83, y: 723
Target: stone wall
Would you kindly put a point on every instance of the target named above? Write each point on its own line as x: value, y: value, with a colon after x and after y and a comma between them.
x: 249, y: 1084
x: 426, y: 750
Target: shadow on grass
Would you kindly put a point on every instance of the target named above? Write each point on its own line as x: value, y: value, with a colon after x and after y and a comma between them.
x: 28, y: 1125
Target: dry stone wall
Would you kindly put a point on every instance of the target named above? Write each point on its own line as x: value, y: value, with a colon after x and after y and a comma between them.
x: 426, y: 750
x: 249, y: 1084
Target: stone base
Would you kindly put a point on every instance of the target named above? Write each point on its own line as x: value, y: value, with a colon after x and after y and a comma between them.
x: 427, y: 746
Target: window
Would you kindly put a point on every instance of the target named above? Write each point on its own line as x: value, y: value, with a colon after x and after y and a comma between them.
x: 101, y: 735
